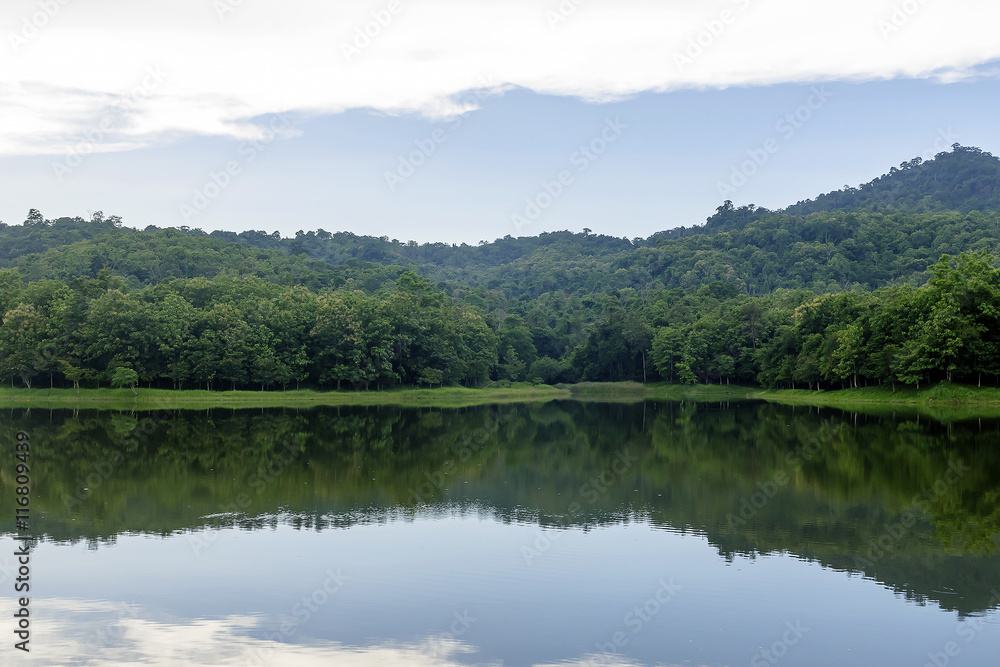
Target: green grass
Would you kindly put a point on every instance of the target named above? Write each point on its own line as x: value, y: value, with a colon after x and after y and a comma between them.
x: 944, y: 402
x: 942, y: 394
x: 150, y: 399
x: 941, y: 401
x: 701, y: 392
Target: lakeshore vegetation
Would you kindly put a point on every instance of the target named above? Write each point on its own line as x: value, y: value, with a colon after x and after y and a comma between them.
x: 890, y: 284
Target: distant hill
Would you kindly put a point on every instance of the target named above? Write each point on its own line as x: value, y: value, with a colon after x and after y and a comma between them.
x: 885, y: 231
x: 721, y: 298
x: 966, y: 179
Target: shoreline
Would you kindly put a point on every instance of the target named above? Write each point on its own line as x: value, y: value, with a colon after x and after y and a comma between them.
x: 937, y: 398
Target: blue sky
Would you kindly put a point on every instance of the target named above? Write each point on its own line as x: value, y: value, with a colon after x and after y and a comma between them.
x: 404, y: 138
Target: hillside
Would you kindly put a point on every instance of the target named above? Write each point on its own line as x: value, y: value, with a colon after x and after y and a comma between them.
x: 966, y: 179
x: 886, y: 231
x: 847, y: 294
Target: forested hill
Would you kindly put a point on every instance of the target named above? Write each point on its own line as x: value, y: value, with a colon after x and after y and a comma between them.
x: 846, y: 288
x: 966, y: 179
x: 884, y: 232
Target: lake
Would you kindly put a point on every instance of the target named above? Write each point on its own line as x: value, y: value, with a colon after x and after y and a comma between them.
x: 561, y: 533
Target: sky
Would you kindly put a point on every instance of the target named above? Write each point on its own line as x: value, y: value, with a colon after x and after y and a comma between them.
x: 460, y: 121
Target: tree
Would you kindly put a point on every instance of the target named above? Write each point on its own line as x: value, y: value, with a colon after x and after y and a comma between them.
x: 125, y: 377
x: 20, y: 337
x: 667, y: 346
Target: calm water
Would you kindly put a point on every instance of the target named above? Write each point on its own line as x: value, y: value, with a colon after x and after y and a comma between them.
x: 557, y: 534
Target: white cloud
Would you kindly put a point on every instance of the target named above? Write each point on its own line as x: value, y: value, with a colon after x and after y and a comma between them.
x: 67, y: 66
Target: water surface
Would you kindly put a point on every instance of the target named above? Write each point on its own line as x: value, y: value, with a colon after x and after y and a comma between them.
x: 547, y: 534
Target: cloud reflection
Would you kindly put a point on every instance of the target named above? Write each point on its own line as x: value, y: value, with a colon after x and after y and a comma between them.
x: 96, y: 632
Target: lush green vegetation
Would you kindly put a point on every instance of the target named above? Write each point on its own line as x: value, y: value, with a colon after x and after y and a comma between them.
x: 892, y: 283
x: 195, y: 399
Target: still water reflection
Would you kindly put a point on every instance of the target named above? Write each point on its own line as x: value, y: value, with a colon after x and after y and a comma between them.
x: 547, y: 534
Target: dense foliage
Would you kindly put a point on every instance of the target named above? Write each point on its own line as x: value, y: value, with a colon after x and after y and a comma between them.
x: 848, y: 289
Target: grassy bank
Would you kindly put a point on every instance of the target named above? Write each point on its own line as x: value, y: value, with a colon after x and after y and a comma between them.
x: 701, y: 392
x: 943, y: 394
x: 936, y: 400
x: 166, y: 399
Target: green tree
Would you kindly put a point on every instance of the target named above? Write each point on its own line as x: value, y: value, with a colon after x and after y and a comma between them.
x: 125, y: 377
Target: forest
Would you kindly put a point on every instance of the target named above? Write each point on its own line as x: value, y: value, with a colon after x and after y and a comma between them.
x: 892, y: 282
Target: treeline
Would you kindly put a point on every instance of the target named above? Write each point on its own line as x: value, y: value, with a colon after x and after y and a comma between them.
x: 966, y: 179
x: 846, y: 293
x: 246, y: 332
x: 948, y: 329
x: 883, y: 233
x: 232, y: 333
